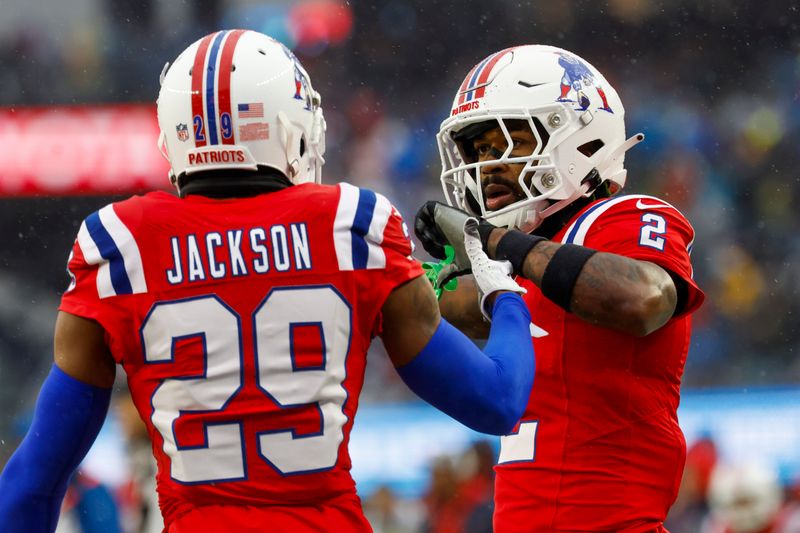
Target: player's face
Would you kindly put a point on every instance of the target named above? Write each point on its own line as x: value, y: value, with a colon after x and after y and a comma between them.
x: 500, y: 181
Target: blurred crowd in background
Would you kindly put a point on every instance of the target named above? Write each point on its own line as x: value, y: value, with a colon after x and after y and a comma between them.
x: 715, y: 496
x: 713, y: 84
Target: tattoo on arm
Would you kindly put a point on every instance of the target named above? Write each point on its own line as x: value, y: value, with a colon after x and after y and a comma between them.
x: 603, y: 277
x: 613, y: 291
x: 537, y: 261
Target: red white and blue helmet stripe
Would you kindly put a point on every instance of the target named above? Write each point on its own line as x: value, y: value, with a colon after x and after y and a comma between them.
x: 211, y: 88
x: 474, y: 85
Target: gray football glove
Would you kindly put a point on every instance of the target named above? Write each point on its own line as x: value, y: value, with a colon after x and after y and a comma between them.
x: 490, y: 276
x: 438, y: 224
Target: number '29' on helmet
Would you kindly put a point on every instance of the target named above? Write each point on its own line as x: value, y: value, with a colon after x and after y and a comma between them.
x: 240, y: 100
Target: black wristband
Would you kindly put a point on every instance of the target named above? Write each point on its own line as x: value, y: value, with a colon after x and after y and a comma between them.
x: 561, y: 273
x: 484, y: 230
x: 514, y: 247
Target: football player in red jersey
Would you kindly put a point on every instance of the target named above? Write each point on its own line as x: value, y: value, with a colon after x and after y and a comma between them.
x: 242, y: 310
x: 609, y: 285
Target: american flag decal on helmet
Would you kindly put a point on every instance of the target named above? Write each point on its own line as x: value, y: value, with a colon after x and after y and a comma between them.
x: 251, y: 110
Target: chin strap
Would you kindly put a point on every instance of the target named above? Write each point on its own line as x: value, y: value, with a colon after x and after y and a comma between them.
x: 287, y: 139
x: 533, y: 219
x: 316, y: 144
x: 163, y: 74
x: 162, y: 147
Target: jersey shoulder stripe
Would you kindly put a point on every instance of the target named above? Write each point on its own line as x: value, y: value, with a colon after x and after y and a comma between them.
x: 577, y: 231
x: 361, y: 218
x: 106, y: 241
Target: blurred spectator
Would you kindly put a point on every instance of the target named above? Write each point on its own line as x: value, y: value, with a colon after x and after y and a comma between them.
x: 88, y: 507
x: 387, y: 514
x: 748, y: 498
x: 792, y: 507
x: 477, y: 486
x: 691, y: 507
x: 459, y: 498
x: 443, y: 511
x: 138, y: 497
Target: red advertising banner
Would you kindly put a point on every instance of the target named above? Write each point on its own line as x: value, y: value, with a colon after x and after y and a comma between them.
x: 80, y: 150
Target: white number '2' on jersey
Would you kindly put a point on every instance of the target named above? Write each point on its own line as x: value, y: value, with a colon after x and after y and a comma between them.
x: 222, y: 456
x: 654, y: 226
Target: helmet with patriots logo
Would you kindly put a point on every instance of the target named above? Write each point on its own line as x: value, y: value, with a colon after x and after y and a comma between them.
x: 575, y: 115
x: 239, y: 99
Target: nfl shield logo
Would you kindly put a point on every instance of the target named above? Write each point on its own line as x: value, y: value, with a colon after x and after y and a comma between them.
x: 183, y: 132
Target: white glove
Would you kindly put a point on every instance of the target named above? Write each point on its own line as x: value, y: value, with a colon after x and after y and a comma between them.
x: 490, y: 276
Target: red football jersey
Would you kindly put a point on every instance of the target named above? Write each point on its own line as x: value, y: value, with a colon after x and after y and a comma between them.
x: 243, y: 326
x: 599, y: 447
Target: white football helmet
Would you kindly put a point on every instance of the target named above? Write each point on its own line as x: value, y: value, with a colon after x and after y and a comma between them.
x: 237, y: 99
x: 575, y: 115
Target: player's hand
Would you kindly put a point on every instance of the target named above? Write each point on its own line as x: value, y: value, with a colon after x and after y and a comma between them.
x: 490, y: 275
x: 438, y: 224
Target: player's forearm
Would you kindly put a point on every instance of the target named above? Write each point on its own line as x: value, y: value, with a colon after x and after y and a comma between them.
x: 68, y: 417
x: 484, y: 390
x: 25, y: 511
x: 635, y: 297
x: 617, y: 292
x: 460, y: 308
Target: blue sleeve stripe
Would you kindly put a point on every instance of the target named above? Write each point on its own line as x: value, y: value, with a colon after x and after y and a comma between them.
x: 66, y: 421
x: 360, y: 227
x: 109, y: 251
x: 486, y: 391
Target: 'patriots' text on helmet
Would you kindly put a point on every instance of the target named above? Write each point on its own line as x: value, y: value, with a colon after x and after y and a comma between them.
x: 574, y: 115
x: 237, y: 100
